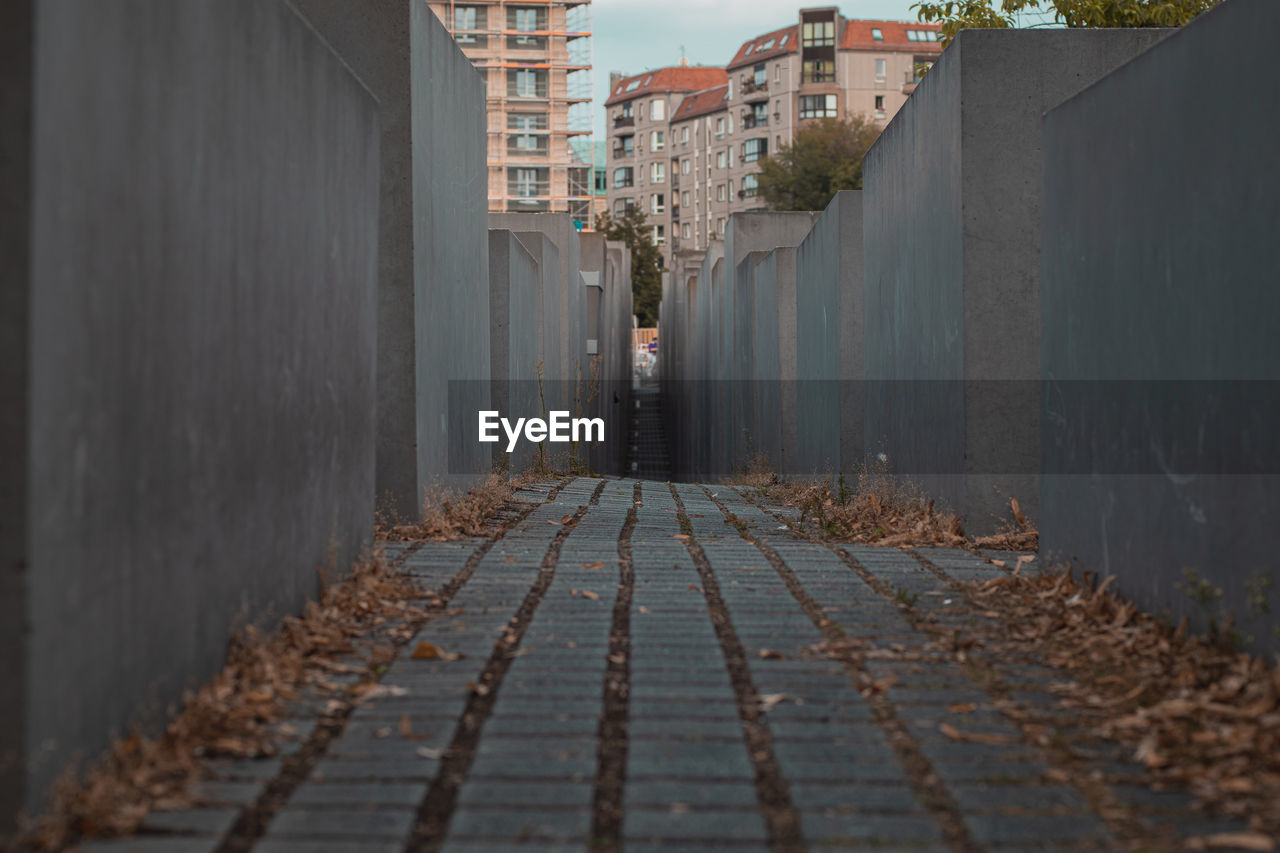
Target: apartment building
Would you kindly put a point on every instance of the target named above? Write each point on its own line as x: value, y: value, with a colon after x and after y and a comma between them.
x: 640, y: 108
x: 824, y: 65
x: 535, y: 57
x: 700, y: 204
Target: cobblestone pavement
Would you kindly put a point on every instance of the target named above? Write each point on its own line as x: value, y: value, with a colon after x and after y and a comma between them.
x: 638, y: 672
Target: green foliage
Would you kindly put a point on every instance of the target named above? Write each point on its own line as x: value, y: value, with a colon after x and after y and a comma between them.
x: 956, y: 15
x: 646, y: 261
x: 825, y: 158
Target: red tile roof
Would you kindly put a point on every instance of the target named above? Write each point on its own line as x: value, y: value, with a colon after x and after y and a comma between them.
x: 678, y: 78
x: 857, y: 36
x: 700, y: 103
x: 785, y: 40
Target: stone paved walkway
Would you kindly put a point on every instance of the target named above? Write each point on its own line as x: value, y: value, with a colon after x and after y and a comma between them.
x: 638, y: 673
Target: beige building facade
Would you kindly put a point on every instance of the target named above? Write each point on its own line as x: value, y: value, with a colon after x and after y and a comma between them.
x: 822, y: 66
x: 535, y: 57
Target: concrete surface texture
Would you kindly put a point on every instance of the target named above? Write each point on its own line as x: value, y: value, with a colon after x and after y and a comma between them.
x: 203, y: 236
x: 514, y: 295
x: 952, y: 236
x: 606, y: 270
x: 829, y: 353
x: 775, y: 403
x: 569, y: 306
x: 1159, y: 309
x: 373, y: 38
x: 451, y: 254
x: 17, y: 28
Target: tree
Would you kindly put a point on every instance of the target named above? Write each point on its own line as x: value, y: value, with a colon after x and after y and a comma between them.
x: 646, y: 261
x: 956, y: 15
x: 825, y: 158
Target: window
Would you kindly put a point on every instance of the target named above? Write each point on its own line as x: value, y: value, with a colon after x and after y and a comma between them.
x: 880, y: 70
x: 626, y: 146
x: 658, y: 173
x: 817, y: 106
x: 527, y: 121
x: 922, y: 35
x: 721, y: 161
x: 731, y: 188
x: 659, y: 235
x: 719, y: 128
x: 685, y: 231
x: 684, y: 134
x: 658, y: 109
x: 623, y: 177
x: 730, y: 121
x: 777, y: 72
x: 750, y: 186
x: 818, y: 71
x: 719, y: 192
x: 879, y: 102
x: 627, y: 111
x: 876, y: 34
x: 765, y: 45
x: 730, y: 156
x: 526, y: 20
x: 685, y: 166
x: 759, y: 75
x: 657, y: 140
x: 760, y: 114
x: 464, y: 18
x: 527, y: 83
x: 720, y: 225
x: 469, y: 18
x: 657, y: 203
x: 527, y: 143
x: 754, y: 149
x: 527, y: 183
x: 600, y: 181
x: 684, y: 198
x: 621, y: 206
x: 818, y: 34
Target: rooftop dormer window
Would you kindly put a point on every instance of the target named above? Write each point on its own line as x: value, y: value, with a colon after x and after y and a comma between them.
x: 877, y: 34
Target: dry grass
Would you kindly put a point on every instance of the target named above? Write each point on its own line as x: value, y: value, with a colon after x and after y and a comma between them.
x: 878, y: 509
x: 447, y: 514
x: 353, y: 628
x: 1197, y: 713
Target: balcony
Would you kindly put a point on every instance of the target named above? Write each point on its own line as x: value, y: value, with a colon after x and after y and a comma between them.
x: 623, y: 153
x: 675, y: 212
x: 753, y: 91
x: 750, y: 121
x: 624, y: 121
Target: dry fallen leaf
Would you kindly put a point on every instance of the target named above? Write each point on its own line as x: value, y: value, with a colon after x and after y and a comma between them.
x: 586, y: 593
x: 974, y: 737
x: 681, y: 536
x: 598, y: 564
x: 962, y: 708
x: 769, y: 700
x: 769, y: 654
x: 644, y: 610
x: 428, y: 752
x: 568, y: 517
x: 1232, y: 840
x: 430, y: 651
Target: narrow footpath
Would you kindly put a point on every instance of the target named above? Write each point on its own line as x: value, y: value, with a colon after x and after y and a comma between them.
x: 640, y: 665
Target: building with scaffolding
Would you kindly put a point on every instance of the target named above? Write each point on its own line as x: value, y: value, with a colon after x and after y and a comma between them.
x: 535, y: 58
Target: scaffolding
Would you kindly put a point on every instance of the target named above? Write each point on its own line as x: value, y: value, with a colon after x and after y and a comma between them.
x: 536, y: 59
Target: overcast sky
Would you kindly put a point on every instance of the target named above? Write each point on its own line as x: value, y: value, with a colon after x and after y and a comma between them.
x: 636, y: 35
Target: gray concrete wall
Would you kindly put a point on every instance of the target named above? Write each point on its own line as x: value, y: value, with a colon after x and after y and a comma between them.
x: 952, y: 236
x: 451, y: 253
x: 1159, y: 318
x: 16, y: 104
x: 776, y: 404
x: 569, y: 308
x: 514, y: 295
x: 746, y: 233
x: 829, y: 352
x: 203, y: 238
x: 432, y: 316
